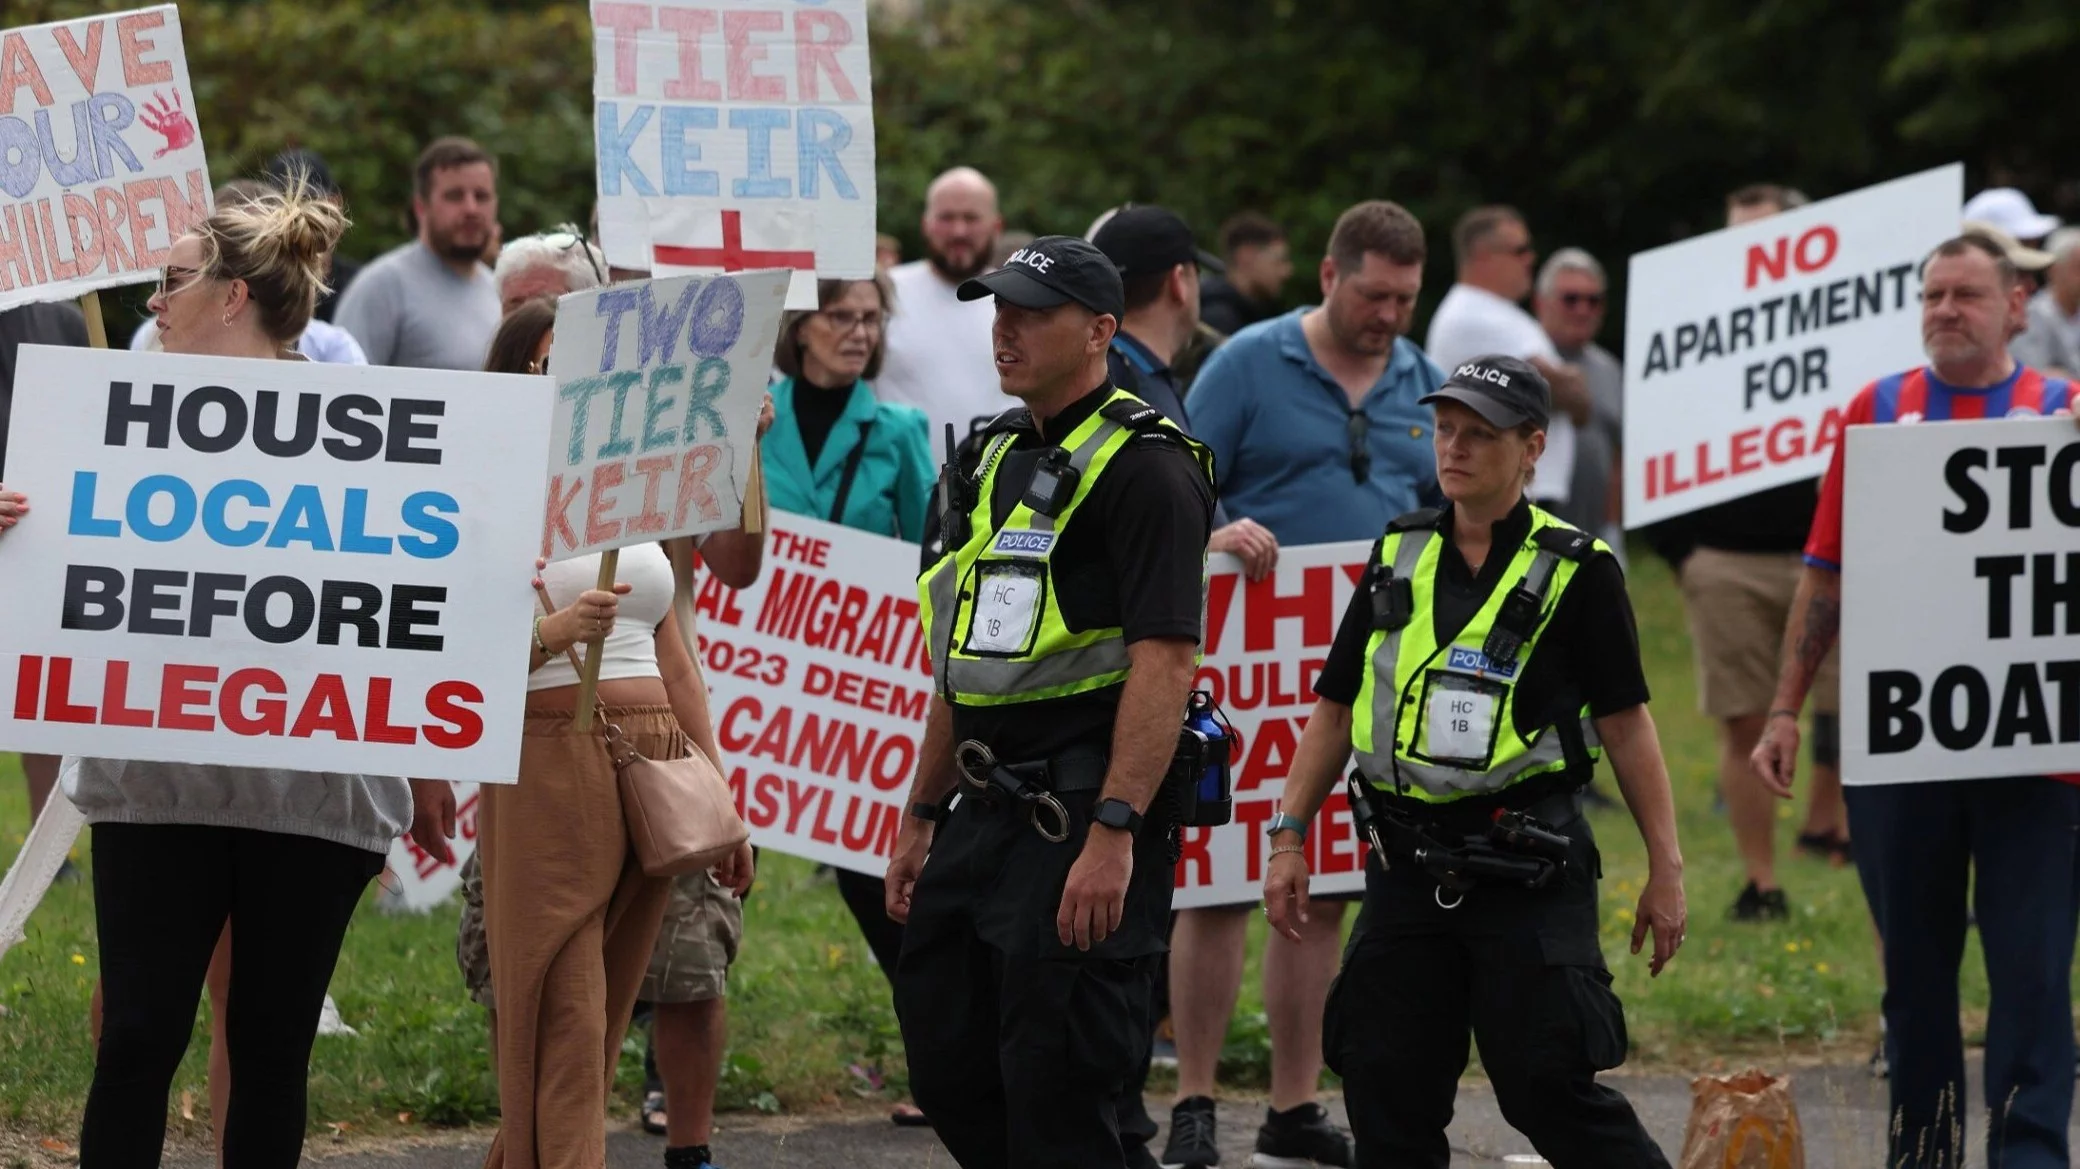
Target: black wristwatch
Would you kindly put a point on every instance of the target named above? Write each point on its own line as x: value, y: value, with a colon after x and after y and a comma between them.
x: 1117, y: 814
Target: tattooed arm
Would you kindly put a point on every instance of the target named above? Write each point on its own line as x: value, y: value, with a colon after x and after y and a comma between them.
x: 1816, y: 620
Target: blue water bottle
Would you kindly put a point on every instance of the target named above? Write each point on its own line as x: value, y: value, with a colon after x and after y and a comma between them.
x: 1212, y: 801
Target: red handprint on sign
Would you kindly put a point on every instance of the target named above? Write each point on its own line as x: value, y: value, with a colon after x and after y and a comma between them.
x: 170, y: 122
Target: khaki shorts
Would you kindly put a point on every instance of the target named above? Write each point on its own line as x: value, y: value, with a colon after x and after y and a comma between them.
x: 1738, y: 604
x: 703, y: 926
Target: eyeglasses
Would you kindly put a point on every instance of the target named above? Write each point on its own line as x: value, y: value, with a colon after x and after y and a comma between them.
x: 1357, y: 428
x: 591, y: 258
x: 845, y: 320
x: 189, y: 277
x: 1580, y: 299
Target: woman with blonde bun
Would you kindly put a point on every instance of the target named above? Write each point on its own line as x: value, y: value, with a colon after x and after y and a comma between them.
x: 183, y: 850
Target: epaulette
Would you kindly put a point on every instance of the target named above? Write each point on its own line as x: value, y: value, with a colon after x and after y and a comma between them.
x: 1133, y: 414
x: 1570, y: 543
x: 1016, y: 418
x: 1421, y: 519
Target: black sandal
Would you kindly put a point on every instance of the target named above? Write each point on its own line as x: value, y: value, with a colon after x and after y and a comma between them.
x: 909, y: 1116
x: 654, y: 1114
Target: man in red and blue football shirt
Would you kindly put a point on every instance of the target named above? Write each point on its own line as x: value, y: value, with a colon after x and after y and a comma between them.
x: 1918, y: 844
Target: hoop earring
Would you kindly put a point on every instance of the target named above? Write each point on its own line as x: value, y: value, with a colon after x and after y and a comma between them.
x: 227, y: 320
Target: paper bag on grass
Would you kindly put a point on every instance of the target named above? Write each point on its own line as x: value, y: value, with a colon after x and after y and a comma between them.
x: 1743, y: 1121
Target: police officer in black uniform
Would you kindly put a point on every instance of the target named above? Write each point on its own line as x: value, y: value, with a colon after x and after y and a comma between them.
x: 1063, y: 618
x: 1489, y: 659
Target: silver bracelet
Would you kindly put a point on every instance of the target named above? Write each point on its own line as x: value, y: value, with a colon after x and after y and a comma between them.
x: 1287, y: 848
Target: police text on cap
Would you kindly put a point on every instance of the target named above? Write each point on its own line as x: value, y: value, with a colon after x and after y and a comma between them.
x: 1481, y: 373
x: 1037, y: 261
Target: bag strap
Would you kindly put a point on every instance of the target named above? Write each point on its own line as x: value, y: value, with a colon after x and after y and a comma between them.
x: 852, y: 461
x: 599, y: 709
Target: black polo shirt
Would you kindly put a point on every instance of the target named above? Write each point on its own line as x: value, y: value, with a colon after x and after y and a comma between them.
x: 1587, y: 654
x: 1132, y: 556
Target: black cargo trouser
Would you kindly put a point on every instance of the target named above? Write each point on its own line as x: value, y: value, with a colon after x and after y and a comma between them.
x: 1019, y: 1046
x: 1521, y: 972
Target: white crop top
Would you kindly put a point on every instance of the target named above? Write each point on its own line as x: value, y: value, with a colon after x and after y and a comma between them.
x: 631, y: 649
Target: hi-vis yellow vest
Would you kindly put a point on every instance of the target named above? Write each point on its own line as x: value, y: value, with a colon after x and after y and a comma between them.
x: 990, y: 607
x: 1450, y: 709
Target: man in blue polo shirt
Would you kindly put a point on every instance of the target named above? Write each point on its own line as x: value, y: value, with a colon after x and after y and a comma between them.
x: 1317, y: 435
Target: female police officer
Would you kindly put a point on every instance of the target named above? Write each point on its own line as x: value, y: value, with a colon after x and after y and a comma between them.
x: 1487, y: 658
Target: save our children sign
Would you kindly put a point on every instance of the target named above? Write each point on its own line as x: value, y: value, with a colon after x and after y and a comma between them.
x: 1968, y: 534
x: 270, y: 563
x: 735, y: 135
x: 101, y: 163
x: 659, y: 384
x: 1743, y: 347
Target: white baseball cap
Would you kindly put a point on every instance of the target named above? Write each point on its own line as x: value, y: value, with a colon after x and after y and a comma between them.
x: 2012, y: 212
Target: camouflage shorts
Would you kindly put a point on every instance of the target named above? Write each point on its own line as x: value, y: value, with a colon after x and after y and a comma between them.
x: 471, y: 951
x: 703, y: 926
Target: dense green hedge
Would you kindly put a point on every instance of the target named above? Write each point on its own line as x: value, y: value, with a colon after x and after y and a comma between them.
x: 1614, y: 125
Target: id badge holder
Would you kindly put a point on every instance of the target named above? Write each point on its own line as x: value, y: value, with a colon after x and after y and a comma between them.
x: 1462, y: 716
x: 1004, y: 617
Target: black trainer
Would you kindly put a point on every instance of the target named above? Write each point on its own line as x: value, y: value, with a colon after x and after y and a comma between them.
x: 1300, y: 1138
x: 1193, y: 1135
x: 1756, y: 905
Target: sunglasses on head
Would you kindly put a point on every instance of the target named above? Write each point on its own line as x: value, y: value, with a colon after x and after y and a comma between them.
x: 578, y: 241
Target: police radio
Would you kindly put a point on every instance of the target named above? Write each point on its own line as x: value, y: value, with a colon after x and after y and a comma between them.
x: 1200, y: 772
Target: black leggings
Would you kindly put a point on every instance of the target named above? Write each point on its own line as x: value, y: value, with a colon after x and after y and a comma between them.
x: 162, y: 894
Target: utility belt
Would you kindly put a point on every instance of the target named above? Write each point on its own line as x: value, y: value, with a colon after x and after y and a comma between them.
x: 1523, y: 847
x: 1196, y: 792
x: 1031, y: 787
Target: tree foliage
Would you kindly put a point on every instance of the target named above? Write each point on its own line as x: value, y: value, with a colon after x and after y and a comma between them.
x: 1617, y: 126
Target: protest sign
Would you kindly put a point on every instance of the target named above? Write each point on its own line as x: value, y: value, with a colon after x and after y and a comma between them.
x: 101, y: 164
x: 819, y: 680
x: 818, y: 683
x: 658, y: 388
x: 1743, y: 346
x: 270, y: 563
x: 418, y: 880
x: 735, y: 134
x: 1266, y: 642
x: 1968, y: 535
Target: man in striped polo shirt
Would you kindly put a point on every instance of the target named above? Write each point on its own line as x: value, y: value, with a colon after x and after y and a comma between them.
x: 1918, y: 844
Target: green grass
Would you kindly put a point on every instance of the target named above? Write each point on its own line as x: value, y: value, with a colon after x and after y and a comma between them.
x: 808, y: 1003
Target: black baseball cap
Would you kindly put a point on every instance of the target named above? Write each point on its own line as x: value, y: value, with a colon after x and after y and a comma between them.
x: 1504, y: 390
x: 1142, y: 237
x: 1054, y: 270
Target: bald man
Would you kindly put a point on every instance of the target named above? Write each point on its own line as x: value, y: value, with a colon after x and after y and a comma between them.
x: 939, y: 356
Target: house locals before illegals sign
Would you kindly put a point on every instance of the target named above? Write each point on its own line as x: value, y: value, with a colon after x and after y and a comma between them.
x: 1743, y: 347
x: 101, y: 164
x: 270, y: 563
x: 1961, y: 601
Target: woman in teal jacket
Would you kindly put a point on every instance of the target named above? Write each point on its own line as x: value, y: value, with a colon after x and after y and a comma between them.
x: 835, y: 452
